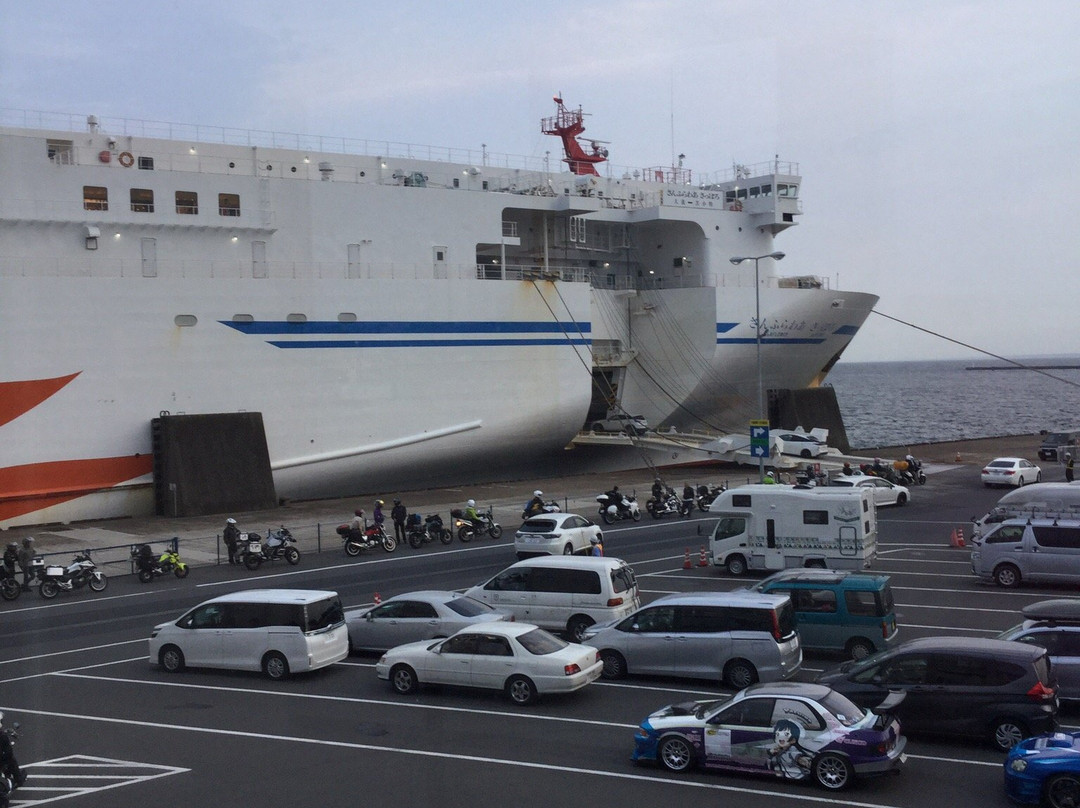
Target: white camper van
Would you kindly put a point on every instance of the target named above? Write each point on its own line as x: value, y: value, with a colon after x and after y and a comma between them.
x: 1040, y: 500
x: 771, y: 527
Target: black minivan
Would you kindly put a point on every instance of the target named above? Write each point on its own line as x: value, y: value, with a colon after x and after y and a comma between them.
x: 962, y: 686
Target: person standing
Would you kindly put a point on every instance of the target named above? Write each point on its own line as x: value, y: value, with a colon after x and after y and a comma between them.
x: 11, y: 558
x: 231, y: 536
x: 377, y: 515
x: 399, y: 514
x: 1068, y: 468
x: 597, y: 546
x: 26, y: 555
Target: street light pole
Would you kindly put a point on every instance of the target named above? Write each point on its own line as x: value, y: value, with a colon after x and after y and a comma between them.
x: 776, y: 256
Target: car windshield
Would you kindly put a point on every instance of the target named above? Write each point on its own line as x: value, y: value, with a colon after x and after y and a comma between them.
x: 324, y: 613
x: 843, y: 708
x: 538, y: 526
x: 541, y: 642
x: 467, y: 607
x: 1002, y: 464
x: 1057, y: 437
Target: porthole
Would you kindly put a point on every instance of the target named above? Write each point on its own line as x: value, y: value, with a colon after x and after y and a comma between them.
x: 185, y: 320
x: 346, y: 317
x: 243, y: 318
x: 293, y: 169
x: 296, y: 318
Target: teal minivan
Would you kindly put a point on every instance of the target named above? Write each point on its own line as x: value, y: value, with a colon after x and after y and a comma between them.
x: 838, y: 610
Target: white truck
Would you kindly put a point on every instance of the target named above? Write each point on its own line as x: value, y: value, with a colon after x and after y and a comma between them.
x: 771, y: 527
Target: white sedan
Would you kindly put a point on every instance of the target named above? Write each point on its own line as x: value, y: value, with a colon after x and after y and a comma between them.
x: 555, y: 534
x: 885, y: 493
x: 1010, y: 471
x: 415, y: 616
x: 518, y: 658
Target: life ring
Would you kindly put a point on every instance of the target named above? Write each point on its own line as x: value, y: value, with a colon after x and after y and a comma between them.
x: 126, y: 159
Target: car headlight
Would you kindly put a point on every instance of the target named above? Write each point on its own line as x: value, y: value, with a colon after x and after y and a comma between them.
x: 1018, y: 764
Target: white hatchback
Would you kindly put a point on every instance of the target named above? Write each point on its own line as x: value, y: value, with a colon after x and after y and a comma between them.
x: 555, y: 534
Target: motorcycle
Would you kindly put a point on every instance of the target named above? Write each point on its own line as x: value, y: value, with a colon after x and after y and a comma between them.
x: 11, y: 776
x: 249, y: 550
x: 551, y: 506
x: 706, y: 494
x: 610, y: 511
x: 149, y: 568
x: 82, y: 571
x: 913, y: 474
x: 356, y: 541
x: 669, y: 503
x: 280, y: 544
x: 10, y: 588
x: 466, y: 529
x: 431, y: 528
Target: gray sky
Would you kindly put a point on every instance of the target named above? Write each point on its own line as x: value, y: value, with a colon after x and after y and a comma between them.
x: 937, y: 140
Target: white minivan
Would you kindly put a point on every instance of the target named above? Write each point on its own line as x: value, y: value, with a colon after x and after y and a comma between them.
x: 563, y: 593
x: 276, y: 631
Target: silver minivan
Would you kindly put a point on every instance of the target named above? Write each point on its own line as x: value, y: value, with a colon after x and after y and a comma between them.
x: 736, y: 637
x: 1028, y: 550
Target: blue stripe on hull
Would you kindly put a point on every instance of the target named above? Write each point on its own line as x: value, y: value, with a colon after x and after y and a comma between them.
x: 281, y: 327
x: 421, y: 343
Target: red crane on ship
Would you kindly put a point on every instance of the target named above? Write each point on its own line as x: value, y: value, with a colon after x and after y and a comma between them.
x: 568, y: 124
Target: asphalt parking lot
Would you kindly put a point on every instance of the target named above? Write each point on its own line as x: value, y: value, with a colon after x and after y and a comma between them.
x: 103, y: 727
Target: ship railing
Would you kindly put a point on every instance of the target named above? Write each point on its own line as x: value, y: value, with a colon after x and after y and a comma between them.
x: 531, y: 272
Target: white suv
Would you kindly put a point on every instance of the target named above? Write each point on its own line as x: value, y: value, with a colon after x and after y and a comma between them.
x: 616, y: 422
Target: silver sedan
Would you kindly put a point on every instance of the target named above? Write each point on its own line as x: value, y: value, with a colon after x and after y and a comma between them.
x: 415, y: 616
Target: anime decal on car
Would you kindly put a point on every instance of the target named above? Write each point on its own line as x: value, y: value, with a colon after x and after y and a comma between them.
x: 786, y: 757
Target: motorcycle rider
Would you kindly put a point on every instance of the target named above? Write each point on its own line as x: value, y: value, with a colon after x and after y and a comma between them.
x: 11, y: 557
x: 473, y: 515
x: 377, y: 514
x: 358, y: 525
x: 9, y: 766
x: 535, y: 505
x: 616, y: 499
x: 657, y: 491
x: 399, y: 514
x: 26, y: 555
x: 231, y: 536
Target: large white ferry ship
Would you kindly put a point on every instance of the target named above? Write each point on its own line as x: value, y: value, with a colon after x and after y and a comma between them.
x: 398, y: 314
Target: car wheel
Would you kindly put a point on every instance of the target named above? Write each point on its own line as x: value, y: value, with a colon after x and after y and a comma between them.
x: 520, y: 690
x: 1020, y: 481
x: 1062, y: 791
x: 675, y: 754
x: 568, y: 549
x: 403, y: 679
x: 614, y: 664
x: 833, y: 771
x: 859, y: 648
x: 1008, y: 733
x: 576, y: 626
x: 736, y: 565
x: 275, y: 666
x: 739, y: 673
x: 171, y: 658
x: 901, y: 498
x: 1038, y: 477
x: 1007, y: 576
x: 805, y: 453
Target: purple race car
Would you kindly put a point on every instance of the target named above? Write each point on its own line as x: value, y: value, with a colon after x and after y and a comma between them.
x: 790, y: 730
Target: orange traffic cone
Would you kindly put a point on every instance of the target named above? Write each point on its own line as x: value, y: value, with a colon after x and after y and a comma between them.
x: 702, y: 561
x: 378, y: 600
x: 686, y: 560
x: 957, y: 537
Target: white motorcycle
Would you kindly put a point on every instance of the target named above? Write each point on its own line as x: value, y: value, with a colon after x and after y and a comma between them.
x: 82, y: 571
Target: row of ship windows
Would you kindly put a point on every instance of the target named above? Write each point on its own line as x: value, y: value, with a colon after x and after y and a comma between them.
x: 189, y: 320
x: 782, y: 189
x: 96, y: 197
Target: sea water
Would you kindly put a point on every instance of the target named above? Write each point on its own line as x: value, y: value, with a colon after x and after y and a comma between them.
x: 900, y: 403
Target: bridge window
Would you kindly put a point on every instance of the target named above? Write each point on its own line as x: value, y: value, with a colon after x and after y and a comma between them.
x: 786, y: 190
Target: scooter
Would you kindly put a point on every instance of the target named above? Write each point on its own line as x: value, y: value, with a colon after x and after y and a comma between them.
x: 420, y: 533
x: 280, y: 544
x: 82, y: 571
x: 356, y: 541
x: 610, y: 511
x: 467, y: 529
x: 11, y: 776
x: 149, y: 568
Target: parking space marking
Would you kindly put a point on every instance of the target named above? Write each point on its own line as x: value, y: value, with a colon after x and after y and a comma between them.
x: 801, y: 798
x: 77, y: 775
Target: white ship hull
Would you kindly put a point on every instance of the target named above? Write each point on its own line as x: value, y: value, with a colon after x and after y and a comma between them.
x: 405, y: 323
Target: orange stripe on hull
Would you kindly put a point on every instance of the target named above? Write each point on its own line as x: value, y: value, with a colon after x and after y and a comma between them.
x: 18, y: 397
x: 29, y: 488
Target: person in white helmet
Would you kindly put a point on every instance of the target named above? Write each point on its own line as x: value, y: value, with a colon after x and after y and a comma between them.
x: 597, y: 547
x: 534, y: 505
x: 231, y: 536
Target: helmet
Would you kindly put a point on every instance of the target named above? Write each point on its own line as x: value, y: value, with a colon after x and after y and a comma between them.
x: 397, y: 501
x: 13, y: 546
x: 230, y: 521
x: 768, y: 474
x: 358, y: 512
x: 471, y: 503
x: 594, y: 540
x: 28, y: 541
x: 539, y: 493
x: 379, y: 502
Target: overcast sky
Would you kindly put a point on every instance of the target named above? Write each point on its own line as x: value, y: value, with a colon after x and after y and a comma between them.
x: 938, y: 141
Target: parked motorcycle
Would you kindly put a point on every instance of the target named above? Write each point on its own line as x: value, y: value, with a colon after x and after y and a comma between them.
x: 610, y: 511
x: 707, y: 493
x: 168, y: 563
x: 249, y: 550
x: 10, y: 587
x: 82, y: 571
x: 356, y: 541
x: 280, y: 544
x: 466, y: 529
x: 11, y: 776
x: 668, y: 504
x: 426, y: 531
